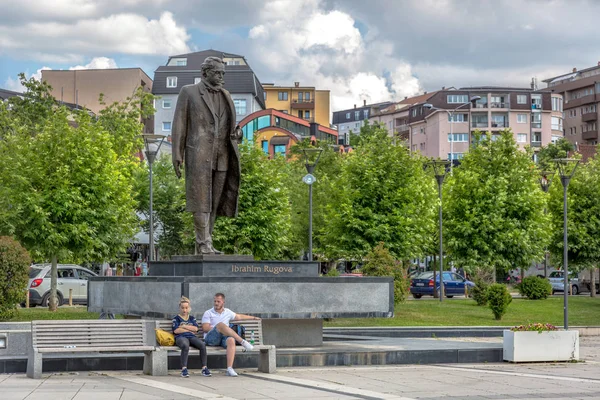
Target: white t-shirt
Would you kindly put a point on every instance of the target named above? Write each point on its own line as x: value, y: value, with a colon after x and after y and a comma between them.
x: 213, y: 318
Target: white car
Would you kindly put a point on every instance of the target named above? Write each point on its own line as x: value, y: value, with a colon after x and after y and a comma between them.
x: 70, y: 276
x: 556, y: 279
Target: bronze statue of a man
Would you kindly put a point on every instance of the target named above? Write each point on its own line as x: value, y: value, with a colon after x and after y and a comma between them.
x: 205, y: 140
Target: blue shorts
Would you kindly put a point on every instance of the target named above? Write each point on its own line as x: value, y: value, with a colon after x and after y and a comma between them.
x: 215, y: 338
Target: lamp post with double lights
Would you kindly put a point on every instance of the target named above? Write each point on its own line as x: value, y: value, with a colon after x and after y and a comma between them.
x: 439, y: 169
x: 311, y: 158
x: 545, y: 181
x: 152, y: 145
x: 566, y: 168
x: 451, y: 116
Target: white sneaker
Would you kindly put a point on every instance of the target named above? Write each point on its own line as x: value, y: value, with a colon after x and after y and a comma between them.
x: 247, y: 346
x: 231, y: 372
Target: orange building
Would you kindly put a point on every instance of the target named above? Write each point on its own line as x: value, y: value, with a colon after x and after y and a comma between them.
x: 275, y: 131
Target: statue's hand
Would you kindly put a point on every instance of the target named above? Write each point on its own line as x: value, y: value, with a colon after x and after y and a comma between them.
x: 177, y: 166
x: 237, y: 133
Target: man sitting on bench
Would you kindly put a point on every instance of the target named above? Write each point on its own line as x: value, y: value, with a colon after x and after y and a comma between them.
x: 215, y: 324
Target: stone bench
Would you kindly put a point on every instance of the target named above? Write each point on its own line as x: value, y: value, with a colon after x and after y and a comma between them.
x: 89, y: 336
x: 267, y: 357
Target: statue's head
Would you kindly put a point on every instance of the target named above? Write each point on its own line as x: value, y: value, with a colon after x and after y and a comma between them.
x: 213, y: 71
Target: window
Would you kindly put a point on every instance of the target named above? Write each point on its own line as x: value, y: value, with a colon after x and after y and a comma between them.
x: 347, y: 115
x: 455, y: 156
x: 356, y: 115
x: 521, y: 118
x: 414, y: 112
x: 166, y: 126
x: 255, y: 125
x: 265, y: 146
x: 167, y: 103
x: 521, y: 99
x: 85, y: 275
x: 182, y: 62
x: 285, y: 111
x: 522, y: 138
x: 171, y: 81
x: 365, y: 114
x: 555, y: 138
x: 536, y: 101
x: 557, y: 104
x: 356, y: 125
x: 458, y: 118
x: 458, y: 98
x: 300, y: 97
x: 458, y: 137
x: 233, y: 62
x: 536, y: 120
x: 279, y: 149
x: 264, y: 95
x: 67, y: 273
x: 307, y: 114
x: 282, y: 96
x: 422, y: 146
x: 557, y: 124
x: 198, y: 80
x: 307, y: 96
x: 240, y: 106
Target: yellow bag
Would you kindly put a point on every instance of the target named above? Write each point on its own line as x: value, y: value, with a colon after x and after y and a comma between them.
x: 165, y: 338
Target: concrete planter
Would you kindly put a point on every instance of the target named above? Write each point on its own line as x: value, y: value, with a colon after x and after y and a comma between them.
x: 532, y: 346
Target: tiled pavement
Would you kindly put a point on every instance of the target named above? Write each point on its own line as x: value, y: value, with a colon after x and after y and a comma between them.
x: 433, y: 382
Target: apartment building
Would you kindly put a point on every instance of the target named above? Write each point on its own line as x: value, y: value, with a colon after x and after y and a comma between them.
x: 581, y: 93
x: 184, y: 69
x: 351, y: 120
x: 306, y: 102
x: 395, y: 116
x: 443, y: 125
x: 276, y: 131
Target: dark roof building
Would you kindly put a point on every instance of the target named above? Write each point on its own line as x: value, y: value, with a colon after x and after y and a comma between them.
x: 7, y: 94
x: 351, y: 120
x: 184, y: 69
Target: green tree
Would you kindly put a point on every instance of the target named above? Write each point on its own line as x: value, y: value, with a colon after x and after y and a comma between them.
x: 552, y: 151
x: 66, y: 182
x: 494, y: 208
x: 583, y: 218
x: 14, y: 275
x: 380, y: 262
x: 385, y: 196
x: 325, y: 195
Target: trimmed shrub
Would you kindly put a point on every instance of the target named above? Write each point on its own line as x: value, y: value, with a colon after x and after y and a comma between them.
x: 498, y: 298
x: 333, y: 272
x: 380, y: 262
x: 479, y: 292
x: 535, y: 288
x: 14, y: 275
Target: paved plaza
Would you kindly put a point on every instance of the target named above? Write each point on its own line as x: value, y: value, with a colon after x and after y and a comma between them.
x: 496, y: 381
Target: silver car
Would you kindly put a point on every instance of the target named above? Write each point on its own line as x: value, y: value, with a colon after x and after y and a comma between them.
x: 70, y: 276
x: 556, y: 279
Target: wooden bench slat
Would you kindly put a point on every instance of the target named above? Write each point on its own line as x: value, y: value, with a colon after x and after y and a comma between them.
x: 95, y: 349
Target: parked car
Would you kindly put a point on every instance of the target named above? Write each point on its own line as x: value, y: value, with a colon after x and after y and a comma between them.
x: 454, y: 284
x: 556, y: 279
x: 69, y: 277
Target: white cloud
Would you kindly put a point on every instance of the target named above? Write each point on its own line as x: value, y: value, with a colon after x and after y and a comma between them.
x: 118, y: 33
x: 326, y: 50
x: 97, y: 63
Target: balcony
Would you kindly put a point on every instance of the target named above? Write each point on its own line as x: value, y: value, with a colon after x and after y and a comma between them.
x: 481, y: 105
x: 495, y: 104
x: 479, y: 124
x: 402, y: 128
x: 590, y: 135
x: 536, y: 143
x: 536, y: 106
x: 499, y: 124
x: 536, y: 125
x: 591, y: 116
x: 307, y: 104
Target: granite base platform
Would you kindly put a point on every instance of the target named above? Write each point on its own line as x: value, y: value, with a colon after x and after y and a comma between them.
x: 292, y: 308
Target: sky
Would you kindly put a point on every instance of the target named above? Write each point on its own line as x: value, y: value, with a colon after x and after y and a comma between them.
x: 374, y: 50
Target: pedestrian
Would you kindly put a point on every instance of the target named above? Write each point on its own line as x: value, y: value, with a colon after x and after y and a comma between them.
x: 185, y: 328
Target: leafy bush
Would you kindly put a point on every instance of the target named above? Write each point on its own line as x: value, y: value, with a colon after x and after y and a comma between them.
x: 380, y: 262
x: 539, y: 327
x: 14, y: 275
x: 535, y: 288
x: 479, y: 292
x: 498, y: 299
x: 333, y: 272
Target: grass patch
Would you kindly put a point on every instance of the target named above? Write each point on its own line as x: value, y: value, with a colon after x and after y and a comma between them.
x: 64, y: 312
x: 583, y: 311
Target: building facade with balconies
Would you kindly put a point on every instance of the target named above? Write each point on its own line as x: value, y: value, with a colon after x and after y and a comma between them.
x: 351, y: 120
x: 305, y: 102
x: 581, y: 93
x: 443, y: 126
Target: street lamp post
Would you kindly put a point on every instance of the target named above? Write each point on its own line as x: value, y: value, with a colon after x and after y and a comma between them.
x: 152, y: 145
x: 545, y: 181
x: 451, y: 117
x: 439, y: 169
x: 566, y: 168
x: 311, y: 158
